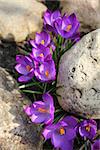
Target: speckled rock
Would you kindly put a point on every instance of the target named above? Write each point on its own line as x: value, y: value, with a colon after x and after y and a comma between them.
x: 79, y: 77
x: 19, y: 18
x: 87, y: 11
x: 16, y: 131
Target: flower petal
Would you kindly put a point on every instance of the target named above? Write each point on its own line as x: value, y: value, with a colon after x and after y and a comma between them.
x: 24, y: 78
x: 39, y: 118
x: 21, y: 69
x: 47, y: 17
x: 71, y: 121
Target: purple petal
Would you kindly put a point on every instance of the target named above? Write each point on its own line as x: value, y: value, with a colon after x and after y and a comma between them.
x: 48, y: 130
x: 47, y: 133
x: 33, y: 43
x: 46, y: 37
x: 20, y: 59
x: 24, y: 78
x: 57, y: 139
x: 21, y: 69
x: 28, y: 110
x: 71, y: 121
x: 39, y: 103
x: 31, y: 73
x: 39, y: 118
x: 38, y: 38
x: 47, y: 17
x: 67, y: 145
x: 53, y: 47
x: 55, y: 15
x: 28, y: 60
x: 75, y: 37
x: 70, y: 133
x: 96, y: 145
x: 47, y: 98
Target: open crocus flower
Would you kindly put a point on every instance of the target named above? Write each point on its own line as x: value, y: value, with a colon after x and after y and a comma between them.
x: 41, y: 54
x: 42, y: 111
x: 50, y: 18
x: 67, y: 26
x: 96, y: 145
x: 88, y: 128
x: 42, y: 38
x: 63, y: 133
x: 25, y: 67
x: 46, y: 71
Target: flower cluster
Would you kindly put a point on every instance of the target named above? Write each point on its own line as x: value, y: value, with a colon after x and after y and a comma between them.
x: 41, y: 65
x: 39, y: 62
x: 62, y: 133
x: 66, y: 26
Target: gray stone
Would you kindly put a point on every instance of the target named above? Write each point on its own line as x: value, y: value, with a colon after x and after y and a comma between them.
x: 16, y: 130
x: 79, y: 77
x: 87, y: 11
x: 7, y: 55
x: 18, y: 19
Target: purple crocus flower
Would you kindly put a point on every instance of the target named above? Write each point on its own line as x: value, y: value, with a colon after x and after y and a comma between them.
x: 96, y: 145
x: 42, y: 38
x: 25, y: 67
x: 67, y: 26
x: 63, y: 133
x: 46, y: 71
x: 88, y: 128
x: 50, y: 18
x: 42, y: 111
x: 41, y: 54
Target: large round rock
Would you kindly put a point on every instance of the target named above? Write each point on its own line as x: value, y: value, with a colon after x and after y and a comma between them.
x: 79, y: 77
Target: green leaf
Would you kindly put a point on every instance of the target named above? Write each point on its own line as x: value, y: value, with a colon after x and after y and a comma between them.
x: 30, y: 84
x: 45, y: 87
x: 32, y: 92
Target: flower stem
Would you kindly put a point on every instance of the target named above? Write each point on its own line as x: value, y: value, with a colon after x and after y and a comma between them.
x: 45, y: 87
x: 85, y: 143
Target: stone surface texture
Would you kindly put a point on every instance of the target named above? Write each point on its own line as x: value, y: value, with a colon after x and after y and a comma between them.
x: 8, y: 52
x: 16, y: 131
x: 87, y: 11
x: 19, y: 18
x: 79, y: 77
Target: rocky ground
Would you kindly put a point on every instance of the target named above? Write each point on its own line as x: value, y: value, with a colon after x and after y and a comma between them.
x: 21, y: 20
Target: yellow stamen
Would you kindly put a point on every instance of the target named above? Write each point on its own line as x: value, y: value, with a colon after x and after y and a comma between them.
x: 62, y: 131
x: 88, y: 128
x: 41, y: 55
x: 28, y: 68
x: 42, y: 110
x: 68, y: 27
x: 42, y: 42
x: 47, y: 73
